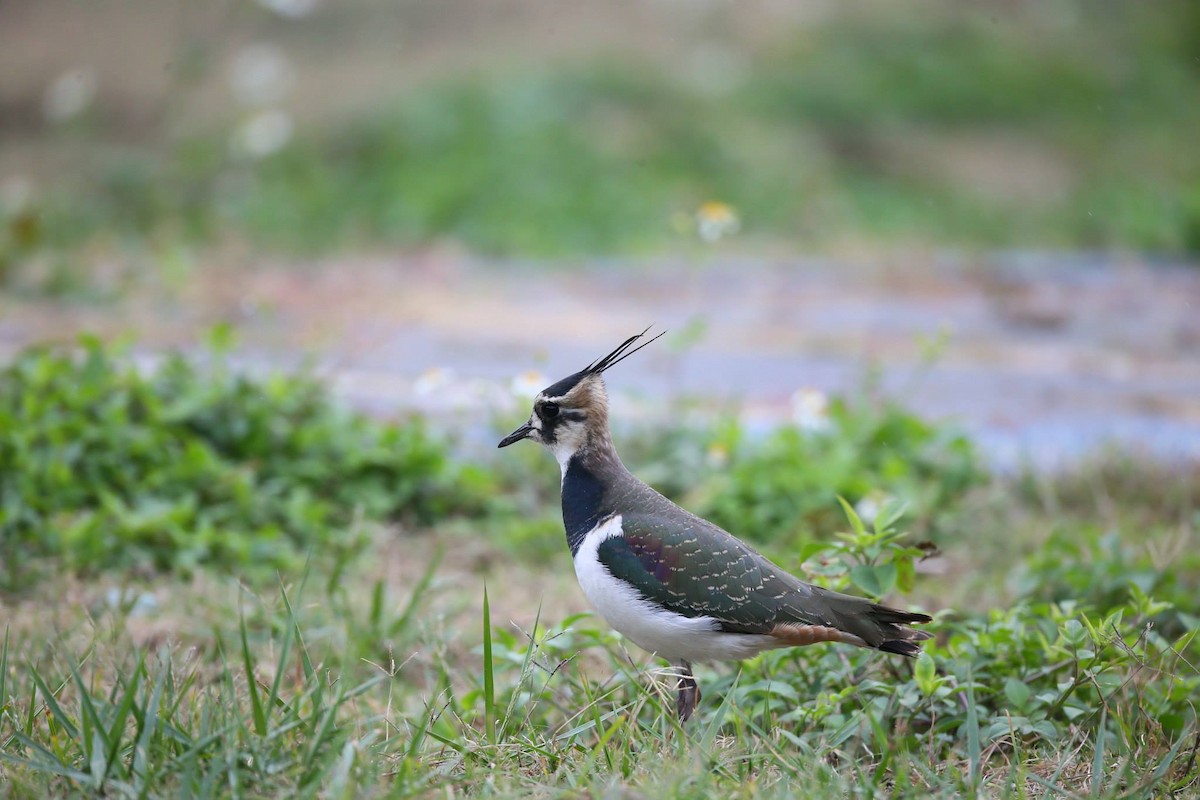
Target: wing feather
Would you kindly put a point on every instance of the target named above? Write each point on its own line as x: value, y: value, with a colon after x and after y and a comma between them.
x: 696, y: 570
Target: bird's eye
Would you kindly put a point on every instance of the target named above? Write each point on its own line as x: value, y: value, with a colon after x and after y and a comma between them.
x: 549, y: 410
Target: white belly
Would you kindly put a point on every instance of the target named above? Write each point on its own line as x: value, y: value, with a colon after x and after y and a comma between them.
x: 670, y: 635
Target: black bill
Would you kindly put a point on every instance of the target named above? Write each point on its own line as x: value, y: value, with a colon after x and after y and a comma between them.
x: 516, y: 436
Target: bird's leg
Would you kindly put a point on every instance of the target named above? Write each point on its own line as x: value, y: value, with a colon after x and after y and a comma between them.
x: 689, y: 691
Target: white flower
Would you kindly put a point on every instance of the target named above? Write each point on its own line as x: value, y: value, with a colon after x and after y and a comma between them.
x: 810, y: 410
x: 16, y: 194
x: 263, y: 134
x: 717, y: 455
x: 528, y: 383
x: 715, y: 220
x: 433, y: 381
x: 139, y: 604
x: 715, y: 69
x: 292, y: 9
x: 261, y: 76
x: 869, y: 506
x: 69, y: 94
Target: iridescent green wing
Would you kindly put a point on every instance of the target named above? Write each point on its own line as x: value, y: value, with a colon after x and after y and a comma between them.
x: 694, y: 568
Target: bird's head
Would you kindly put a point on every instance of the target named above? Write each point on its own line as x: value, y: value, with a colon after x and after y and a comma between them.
x: 573, y: 412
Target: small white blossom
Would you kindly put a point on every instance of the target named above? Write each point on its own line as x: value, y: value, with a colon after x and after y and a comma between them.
x: 810, y: 410
x: 528, y: 383
x: 264, y: 134
x: 715, y: 221
x: 292, y: 9
x: 16, y: 194
x: 717, y: 455
x: 715, y: 69
x: 140, y: 604
x: 870, y: 504
x: 433, y: 381
x: 261, y: 76
x: 70, y: 94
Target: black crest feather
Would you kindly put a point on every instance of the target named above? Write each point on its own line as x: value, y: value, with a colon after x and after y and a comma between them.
x: 620, y: 354
x: 598, y: 366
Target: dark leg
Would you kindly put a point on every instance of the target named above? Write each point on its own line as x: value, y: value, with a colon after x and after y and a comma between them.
x: 689, y: 691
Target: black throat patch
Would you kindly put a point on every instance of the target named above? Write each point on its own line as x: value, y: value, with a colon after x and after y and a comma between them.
x: 582, y: 502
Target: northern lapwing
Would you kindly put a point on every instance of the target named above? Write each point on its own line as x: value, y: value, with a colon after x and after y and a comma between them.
x: 669, y: 581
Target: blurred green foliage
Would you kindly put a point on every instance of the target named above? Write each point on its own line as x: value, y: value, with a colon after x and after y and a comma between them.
x: 1039, y: 126
x: 104, y: 466
x: 778, y: 488
x: 193, y: 463
x: 781, y: 488
x: 788, y: 484
x: 1104, y: 569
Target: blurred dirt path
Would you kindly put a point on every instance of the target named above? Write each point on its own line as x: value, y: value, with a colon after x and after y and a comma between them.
x: 1046, y: 358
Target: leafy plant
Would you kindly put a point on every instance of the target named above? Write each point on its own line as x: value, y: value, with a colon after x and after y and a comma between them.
x: 105, y: 466
x: 783, y: 489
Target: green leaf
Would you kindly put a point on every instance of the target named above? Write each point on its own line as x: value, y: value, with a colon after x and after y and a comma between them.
x: 925, y: 674
x: 876, y: 580
x: 906, y: 573
x: 1017, y: 693
x: 855, y: 521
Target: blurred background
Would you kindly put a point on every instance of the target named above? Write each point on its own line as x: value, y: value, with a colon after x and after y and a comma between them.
x: 276, y: 276
x: 990, y: 209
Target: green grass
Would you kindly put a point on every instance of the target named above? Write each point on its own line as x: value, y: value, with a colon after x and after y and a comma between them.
x: 449, y: 655
x: 1029, y: 127
x: 1021, y: 701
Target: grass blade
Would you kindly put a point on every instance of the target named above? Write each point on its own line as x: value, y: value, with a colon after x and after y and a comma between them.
x: 117, y: 729
x: 37, y: 765
x: 601, y: 746
x: 489, y: 686
x: 418, y: 593
x: 1098, y: 756
x: 4, y: 669
x: 256, y: 706
x: 321, y: 737
x: 972, y: 725
x: 150, y: 721
x: 52, y: 703
x: 98, y: 764
x: 510, y: 710
x: 93, y: 732
x: 285, y: 649
x: 1164, y: 764
x: 709, y: 732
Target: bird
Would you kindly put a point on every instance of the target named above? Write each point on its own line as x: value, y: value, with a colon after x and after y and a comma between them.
x: 677, y: 585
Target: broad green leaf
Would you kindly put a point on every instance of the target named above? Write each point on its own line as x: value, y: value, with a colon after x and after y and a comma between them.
x: 1017, y: 693
x: 876, y: 580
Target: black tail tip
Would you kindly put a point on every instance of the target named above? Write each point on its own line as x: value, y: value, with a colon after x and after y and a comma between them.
x: 901, y: 647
